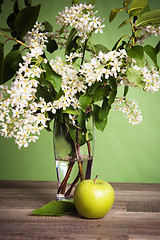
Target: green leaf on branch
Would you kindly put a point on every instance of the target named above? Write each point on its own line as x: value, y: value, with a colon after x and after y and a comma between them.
x: 85, y: 101
x: 148, y: 18
x: 136, y: 52
x: 124, y: 23
x: 137, y: 7
x: 100, y: 47
x: 89, y: 123
x: 28, y: 2
x: 157, y: 48
x: 48, y: 26
x: 62, y: 146
x: 10, y: 21
x: 42, y: 91
x: 126, y: 89
x: 51, y: 45
x: 72, y: 111
x: 5, y: 29
x: 54, y: 78
x: 55, y: 208
x: 119, y: 42
x: 11, y: 64
x: 113, y: 83
x: 69, y: 41
x: 1, y: 1
x: 62, y: 29
x: 100, y: 92
x: 25, y: 20
x: 100, y: 124
x: 135, y: 77
x: 151, y: 52
x: 114, y: 13
x: 146, y: 9
x: 104, y: 110
x: 81, y: 120
x: 112, y: 96
x: 16, y: 7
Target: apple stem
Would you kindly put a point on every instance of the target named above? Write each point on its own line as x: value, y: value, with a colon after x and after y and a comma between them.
x: 95, y: 178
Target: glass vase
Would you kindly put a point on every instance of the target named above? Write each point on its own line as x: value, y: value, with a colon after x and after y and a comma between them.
x: 73, y: 150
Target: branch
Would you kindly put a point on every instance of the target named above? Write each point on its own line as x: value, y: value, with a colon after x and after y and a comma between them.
x: 13, y: 39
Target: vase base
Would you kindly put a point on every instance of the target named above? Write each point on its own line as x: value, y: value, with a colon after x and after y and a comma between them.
x: 62, y: 197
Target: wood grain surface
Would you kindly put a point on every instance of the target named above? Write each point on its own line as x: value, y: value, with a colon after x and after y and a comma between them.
x: 135, y: 214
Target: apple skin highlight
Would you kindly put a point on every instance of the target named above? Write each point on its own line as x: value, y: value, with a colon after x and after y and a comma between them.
x: 93, y: 198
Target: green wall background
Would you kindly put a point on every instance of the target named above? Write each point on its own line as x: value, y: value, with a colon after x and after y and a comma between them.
x: 123, y: 153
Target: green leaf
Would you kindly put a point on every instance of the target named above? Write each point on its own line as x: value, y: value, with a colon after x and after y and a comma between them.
x: 136, y: 52
x: 119, y: 42
x: 73, y: 133
x: 98, y: 93
x: 126, y: 3
x: 55, y: 208
x: 10, y: 20
x: 1, y: 62
x: 112, y: 96
x: 62, y: 146
x: 124, y: 23
x: 16, y: 47
x: 85, y: 101
x: 72, y: 111
x: 43, y: 92
x: 104, y: 110
x: 113, y: 83
x: 126, y: 89
x: 54, y: 78
x: 151, y: 52
x: 100, y: 124
x: 148, y: 18
x: 157, y: 48
x: 5, y: 29
x: 146, y: 9
x: 89, y: 123
x: 62, y: 29
x: 11, y: 64
x: 114, y: 12
x: 100, y: 47
x: 28, y: 2
x: 51, y: 45
x: 135, y: 77
x: 48, y: 26
x: 16, y: 7
x: 137, y: 7
x: 1, y: 1
x: 25, y: 20
x: 81, y: 120
x: 69, y: 41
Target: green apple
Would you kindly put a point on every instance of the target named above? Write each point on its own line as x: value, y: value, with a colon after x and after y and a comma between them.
x: 93, y: 198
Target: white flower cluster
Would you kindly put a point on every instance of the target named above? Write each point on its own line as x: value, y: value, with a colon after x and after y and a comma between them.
x: 71, y: 83
x: 151, y: 78
x: 36, y: 40
x: 82, y: 18
x: 147, y: 32
x: 21, y: 116
x: 130, y: 109
x: 104, y: 64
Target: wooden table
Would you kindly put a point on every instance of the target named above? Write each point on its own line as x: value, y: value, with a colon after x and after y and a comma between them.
x: 135, y: 214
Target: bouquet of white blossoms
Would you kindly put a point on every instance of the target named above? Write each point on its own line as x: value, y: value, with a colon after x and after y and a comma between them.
x: 79, y: 86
